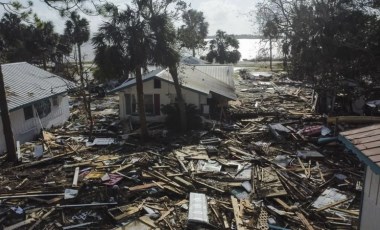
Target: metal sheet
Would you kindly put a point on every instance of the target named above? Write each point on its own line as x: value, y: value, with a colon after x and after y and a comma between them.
x: 198, y: 208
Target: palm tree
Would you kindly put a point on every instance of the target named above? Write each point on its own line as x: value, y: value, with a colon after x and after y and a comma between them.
x: 129, y: 33
x: 78, y: 31
x: 144, y: 35
x: 166, y: 54
x: 192, y: 35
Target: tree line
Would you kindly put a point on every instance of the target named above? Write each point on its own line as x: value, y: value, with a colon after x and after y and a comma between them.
x: 328, y: 44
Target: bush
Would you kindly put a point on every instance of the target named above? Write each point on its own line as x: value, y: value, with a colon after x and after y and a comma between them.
x: 173, y: 117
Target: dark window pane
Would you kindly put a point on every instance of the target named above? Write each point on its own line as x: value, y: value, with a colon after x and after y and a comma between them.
x: 55, y: 101
x: 28, y: 112
x: 43, y: 108
x: 157, y: 83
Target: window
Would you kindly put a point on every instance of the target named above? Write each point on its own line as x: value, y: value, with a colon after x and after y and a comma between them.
x: 28, y: 112
x: 43, y: 108
x: 55, y: 101
x: 149, y: 105
x: 157, y: 83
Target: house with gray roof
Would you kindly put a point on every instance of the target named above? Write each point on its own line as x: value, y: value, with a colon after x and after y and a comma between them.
x: 208, y: 93
x: 36, y: 99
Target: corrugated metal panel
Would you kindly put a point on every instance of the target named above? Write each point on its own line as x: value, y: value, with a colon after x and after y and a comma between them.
x: 223, y: 73
x: 25, y: 84
x: 365, y: 143
x: 191, y: 78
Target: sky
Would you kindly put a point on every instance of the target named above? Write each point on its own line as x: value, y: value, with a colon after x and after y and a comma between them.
x: 231, y: 16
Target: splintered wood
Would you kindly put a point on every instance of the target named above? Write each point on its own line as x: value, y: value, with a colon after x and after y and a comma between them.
x: 268, y: 184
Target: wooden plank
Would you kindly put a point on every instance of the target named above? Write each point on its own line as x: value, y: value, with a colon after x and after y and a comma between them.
x: 145, y: 186
x: 76, y: 176
x: 238, y: 220
x: 122, y: 168
x: 209, y: 186
x: 302, y: 166
x: 182, y: 181
x: 42, y: 218
x: 365, y: 140
x: 369, y: 145
x: 182, y: 164
x: 236, y: 150
x: 332, y: 205
x: 304, y: 221
x: 20, y: 224
x: 164, y: 215
x: 360, y: 130
x: 283, y: 204
x: 146, y: 220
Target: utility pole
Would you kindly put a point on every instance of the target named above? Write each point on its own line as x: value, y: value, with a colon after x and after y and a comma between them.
x: 7, y: 127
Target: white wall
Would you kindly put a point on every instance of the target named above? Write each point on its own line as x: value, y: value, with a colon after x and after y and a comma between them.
x: 167, y: 95
x: 371, y: 202
x: 24, y: 131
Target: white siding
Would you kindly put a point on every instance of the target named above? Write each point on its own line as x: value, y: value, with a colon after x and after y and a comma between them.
x: 167, y: 94
x: 371, y: 202
x: 24, y: 131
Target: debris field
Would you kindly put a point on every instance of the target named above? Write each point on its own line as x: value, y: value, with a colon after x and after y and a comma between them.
x: 271, y: 164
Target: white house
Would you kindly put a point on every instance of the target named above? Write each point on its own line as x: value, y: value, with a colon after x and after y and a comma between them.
x: 205, y: 91
x: 36, y: 99
x: 365, y: 144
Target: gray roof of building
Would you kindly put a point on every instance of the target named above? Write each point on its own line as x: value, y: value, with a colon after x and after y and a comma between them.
x: 190, y: 60
x: 223, y: 73
x: 26, y: 84
x: 191, y: 78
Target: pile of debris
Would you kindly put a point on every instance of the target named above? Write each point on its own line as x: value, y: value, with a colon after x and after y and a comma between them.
x: 268, y: 172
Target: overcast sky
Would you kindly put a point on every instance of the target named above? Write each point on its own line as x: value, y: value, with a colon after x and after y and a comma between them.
x: 228, y: 15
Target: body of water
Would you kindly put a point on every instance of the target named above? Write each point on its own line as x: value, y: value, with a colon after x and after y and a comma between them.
x: 249, y: 49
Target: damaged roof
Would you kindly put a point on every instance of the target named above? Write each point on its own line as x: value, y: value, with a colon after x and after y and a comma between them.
x: 26, y: 84
x: 223, y: 73
x: 365, y: 143
x: 191, y: 78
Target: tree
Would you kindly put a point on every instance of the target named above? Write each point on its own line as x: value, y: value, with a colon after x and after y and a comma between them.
x: 331, y: 44
x: 224, y: 49
x: 77, y: 29
x: 7, y: 126
x: 142, y: 34
x: 43, y: 41
x: 270, y: 31
x: 111, y: 55
x: 195, y: 30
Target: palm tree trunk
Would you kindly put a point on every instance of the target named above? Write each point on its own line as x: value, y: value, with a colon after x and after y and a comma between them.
x: 193, y: 52
x: 181, y: 102
x: 140, y: 102
x: 86, y: 103
x: 270, y: 53
x: 7, y: 127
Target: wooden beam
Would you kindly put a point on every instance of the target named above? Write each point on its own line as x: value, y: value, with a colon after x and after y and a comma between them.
x: 238, y: 220
x: 76, y: 176
x: 20, y: 224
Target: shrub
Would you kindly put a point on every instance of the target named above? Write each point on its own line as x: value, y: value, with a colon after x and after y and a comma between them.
x: 173, y: 117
